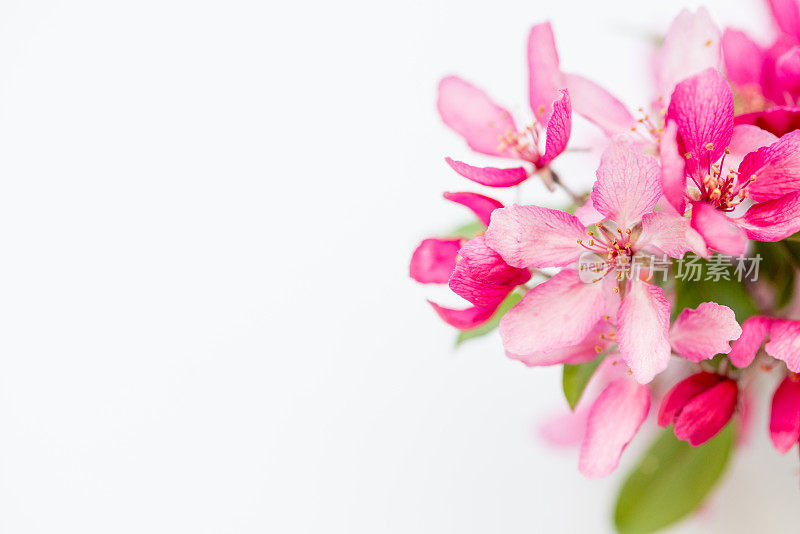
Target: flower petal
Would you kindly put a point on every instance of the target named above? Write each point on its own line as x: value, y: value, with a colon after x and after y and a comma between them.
x: 555, y: 314
x: 707, y: 413
x: 743, y: 58
x: 642, y: 330
x: 583, y: 351
x: 434, y: 260
x: 489, y: 176
x: 673, y: 168
x: 746, y: 139
x: 481, y: 205
x: 628, y: 182
x: 598, y: 105
x: 778, y: 120
x: 482, y: 277
x: 670, y: 233
x: 466, y: 319
x: 754, y: 331
x: 772, y: 220
x: 544, y: 76
x: 532, y: 236
x: 472, y: 114
x: 613, y: 421
x: 558, y: 129
x: 784, y: 343
x: 784, y: 421
x: 684, y: 391
x: 691, y: 45
x: 776, y: 168
x: 587, y: 215
x: 703, y: 333
x: 786, y: 15
x: 787, y: 71
x: 718, y: 231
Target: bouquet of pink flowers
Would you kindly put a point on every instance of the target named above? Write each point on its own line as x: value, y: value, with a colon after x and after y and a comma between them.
x: 667, y: 289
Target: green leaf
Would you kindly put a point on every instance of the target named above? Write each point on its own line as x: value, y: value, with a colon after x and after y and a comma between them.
x: 491, y: 324
x: 671, y: 481
x: 468, y: 230
x: 575, y: 378
x: 731, y: 293
x: 777, y: 267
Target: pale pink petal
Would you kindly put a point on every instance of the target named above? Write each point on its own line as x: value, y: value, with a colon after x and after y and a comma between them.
x: 481, y: 205
x: 691, y: 45
x: 615, y: 418
x: 670, y: 233
x: 778, y: 120
x: 472, y: 114
x: 776, y: 168
x: 543, y: 72
x: 489, y: 176
x: 555, y: 314
x: 784, y: 422
x: 596, y: 341
x: 642, y: 330
x: 786, y: 15
x: 702, y: 107
x: 704, y: 332
x: 434, y: 260
x: 598, y: 105
x: 772, y: 220
x: 587, y: 215
x: 754, y: 331
x: 784, y: 343
x: 466, y: 319
x: 628, y: 182
x: 707, y: 413
x: 566, y: 429
x: 558, y: 129
x: 743, y: 58
x: 673, y: 168
x: 718, y: 231
x: 684, y: 391
x: 532, y: 236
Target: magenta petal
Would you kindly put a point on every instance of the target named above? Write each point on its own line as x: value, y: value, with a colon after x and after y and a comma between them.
x: 613, y: 421
x: 670, y: 233
x: 532, y: 236
x: 673, y: 168
x: 786, y: 15
x: 472, y: 114
x: 784, y: 343
x: 642, y: 327
x: 718, y: 231
x: 707, y: 413
x: 703, y: 333
x: 743, y: 58
x: 544, y: 76
x: 555, y: 314
x: 684, y: 391
x: 481, y: 205
x: 466, y: 319
x: 489, y: 176
x: 434, y: 260
x: 482, y: 277
x: 702, y: 107
x: 691, y: 45
x: 558, y: 129
x: 628, y: 183
x: 776, y: 168
x: 598, y: 105
x: 772, y: 220
x: 787, y: 71
x: 778, y: 120
x: 784, y: 422
x: 754, y: 331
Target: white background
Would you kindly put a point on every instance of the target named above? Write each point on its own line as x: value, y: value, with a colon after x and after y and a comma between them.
x: 206, y: 325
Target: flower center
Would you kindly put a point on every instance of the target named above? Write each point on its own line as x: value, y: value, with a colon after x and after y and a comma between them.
x: 722, y: 190
x: 525, y: 144
x: 615, y: 247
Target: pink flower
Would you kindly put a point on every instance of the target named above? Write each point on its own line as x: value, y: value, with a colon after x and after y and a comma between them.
x: 562, y: 311
x: 768, y: 172
x: 783, y: 341
x: 784, y: 422
x: 489, y: 128
x: 699, y: 406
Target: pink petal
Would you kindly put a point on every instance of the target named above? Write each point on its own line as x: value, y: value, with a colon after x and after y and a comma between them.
x: 787, y: 71
x: 532, y: 236
x: 598, y: 105
x: 784, y: 343
x: 471, y: 113
x: 543, y: 72
x: 754, y: 331
x: 746, y: 139
x: 482, y: 206
x: 784, y: 422
x: 489, y: 176
x: 776, y: 168
x: 772, y: 220
x: 583, y: 351
x: 433, y: 260
x: 587, y: 215
x: 702, y: 107
x: 705, y: 332
x: 673, y: 168
x: 628, y: 183
x: 778, y: 120
x: 684, y: 391
x: 691, y: 45
x: 555, y: 314
x: 707, y: 413
x: 566, y: 429
x: 670, y: 233
x: 463, y: 319
x: 718, y: 231
x: 642, y: 327
x: 743, y: 58
x: 558, y: 129
x: 482, y: 277
x: 615, y: 418
x: 786, y: 15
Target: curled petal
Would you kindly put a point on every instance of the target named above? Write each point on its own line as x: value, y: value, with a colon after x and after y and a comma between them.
x: 707, y: 413
x: 434, y: 260
x: 776, y: 168
x: 489, y: 176
x: 466, y: 319
x: 642, y: 330
x: 598, y: 105
x: 784, y: 421
x: 754, y: 332
x: 718, y: 231
x: 481, y: 205
x: 684, y: 391
x: 558, y: 129
x: 772, y: 220
x: 544, y: 76
x: 703, y: 333
x: 784, y: 343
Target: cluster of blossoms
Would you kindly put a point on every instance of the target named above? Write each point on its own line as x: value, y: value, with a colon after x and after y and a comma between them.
x: 712, y: 167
